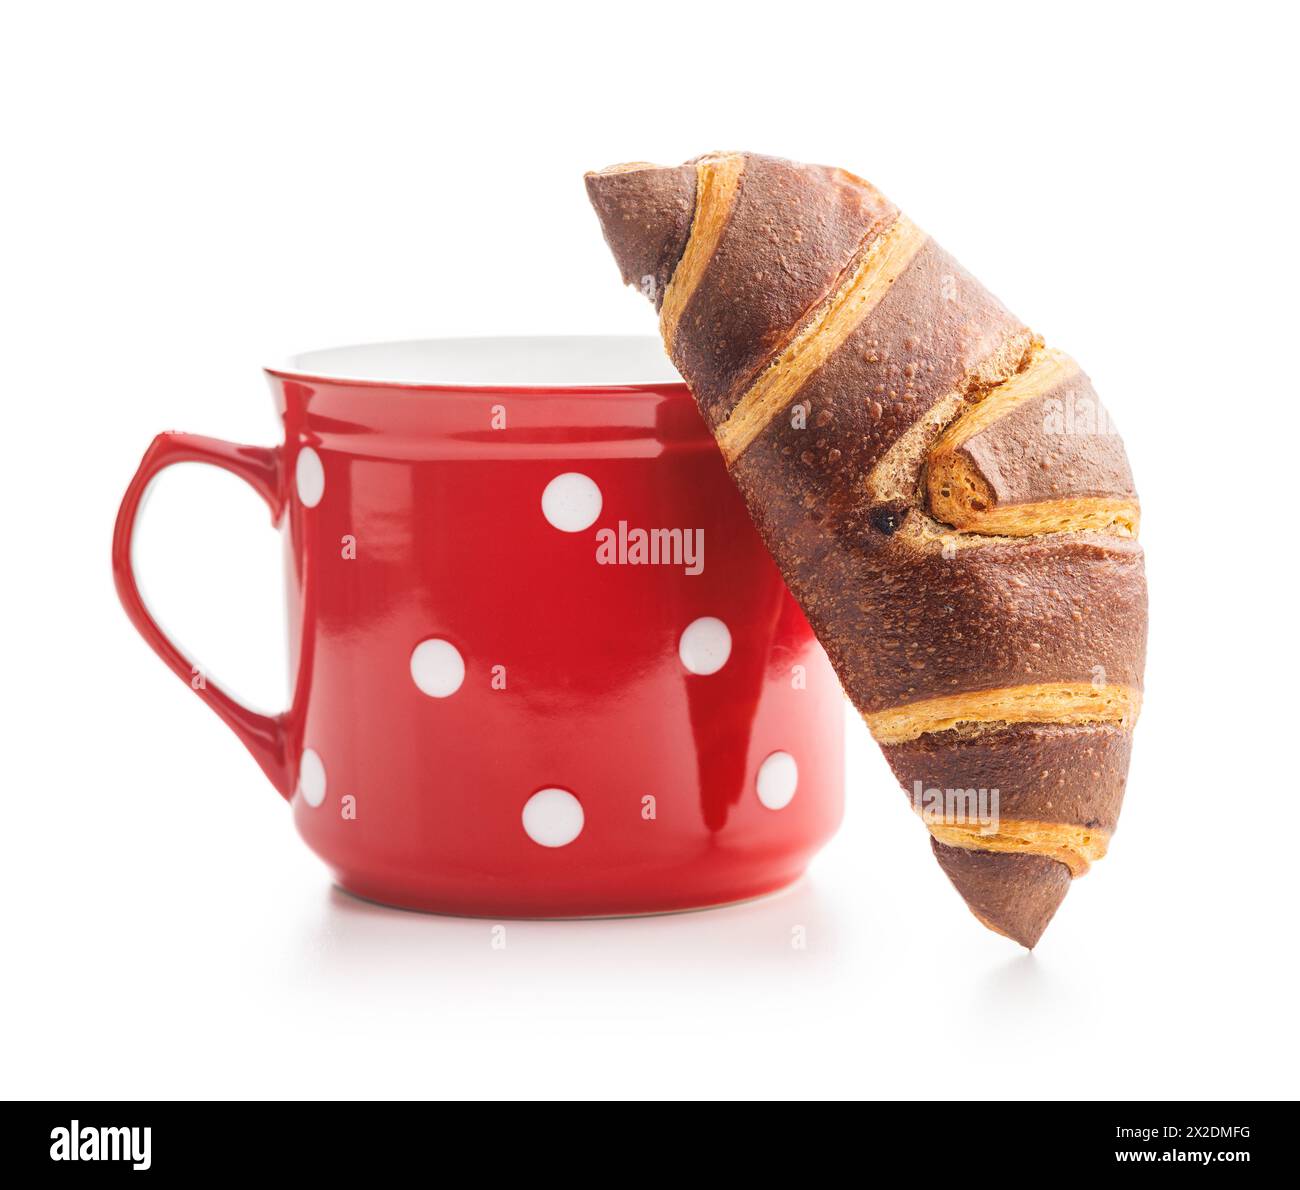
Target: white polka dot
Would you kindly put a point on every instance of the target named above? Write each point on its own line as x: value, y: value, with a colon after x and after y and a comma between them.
x: 311, y: 778
x: 571, y: 502
x: 553, y: 817
x: 437, y: 667
x: 778, y: 777
x: 705, y: 645
x: 310, y: 477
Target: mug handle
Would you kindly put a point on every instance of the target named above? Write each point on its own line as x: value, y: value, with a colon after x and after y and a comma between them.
x: 265, y: 736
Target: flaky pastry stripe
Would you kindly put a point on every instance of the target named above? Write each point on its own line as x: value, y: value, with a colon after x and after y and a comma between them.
x: 1040, y: 702
x: 716, y: 180
x: 1073, y: 515
x: 879, y: 266
x: 1047, y: 368
x: 1077, y: 847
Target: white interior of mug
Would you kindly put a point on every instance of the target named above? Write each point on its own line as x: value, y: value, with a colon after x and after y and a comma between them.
x: 540, y: 361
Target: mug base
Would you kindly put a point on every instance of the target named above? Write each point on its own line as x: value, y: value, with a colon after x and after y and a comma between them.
x: 661, y: 904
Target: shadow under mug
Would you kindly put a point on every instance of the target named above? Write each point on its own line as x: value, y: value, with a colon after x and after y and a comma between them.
x: 542, y: 665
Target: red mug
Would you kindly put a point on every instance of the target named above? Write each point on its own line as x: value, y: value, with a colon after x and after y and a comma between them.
x: 542, y: 664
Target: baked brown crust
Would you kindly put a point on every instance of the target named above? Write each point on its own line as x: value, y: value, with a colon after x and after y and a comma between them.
x: 970, y: 567
x: 1043, y: 772
x: 902, y: 623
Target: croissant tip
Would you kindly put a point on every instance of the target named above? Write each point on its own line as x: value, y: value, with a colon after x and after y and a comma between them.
x: 645, y: 212
x: 1012, y: 895
x: 1026, y: 939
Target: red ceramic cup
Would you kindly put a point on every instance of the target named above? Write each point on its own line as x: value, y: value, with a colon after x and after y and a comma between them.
x: 542, y: 664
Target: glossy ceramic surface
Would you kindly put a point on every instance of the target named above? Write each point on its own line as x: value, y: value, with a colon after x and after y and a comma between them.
x: 510, y: 696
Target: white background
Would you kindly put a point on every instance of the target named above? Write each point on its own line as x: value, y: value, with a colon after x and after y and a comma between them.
x: 190, y: 191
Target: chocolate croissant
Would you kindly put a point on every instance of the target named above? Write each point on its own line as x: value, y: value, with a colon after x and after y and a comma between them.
x: 944, y: 494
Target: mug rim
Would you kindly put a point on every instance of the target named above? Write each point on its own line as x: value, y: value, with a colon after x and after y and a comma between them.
x: 517, y: 363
